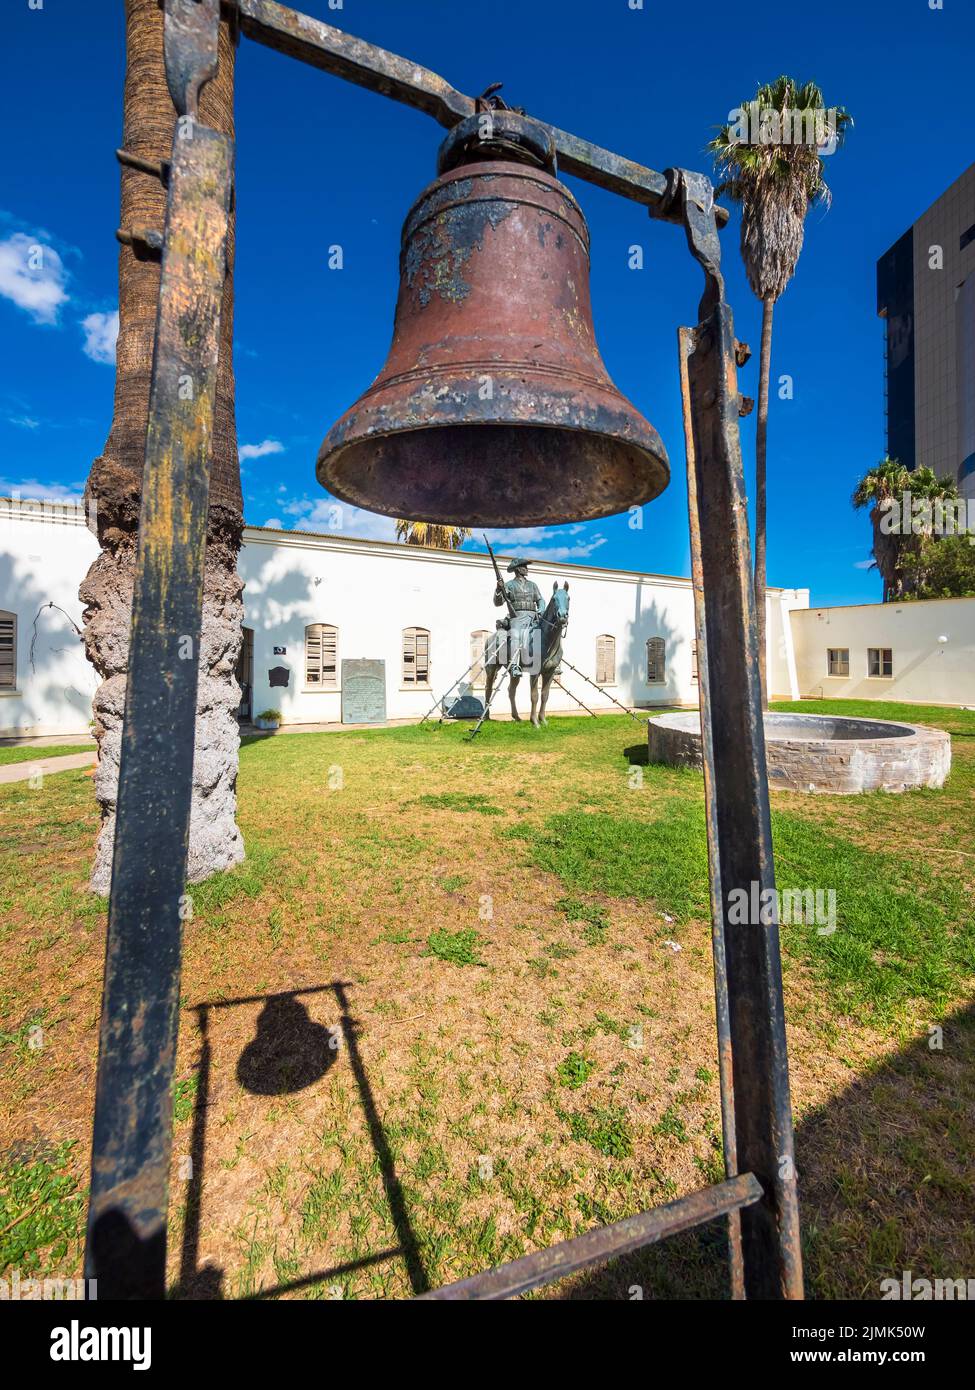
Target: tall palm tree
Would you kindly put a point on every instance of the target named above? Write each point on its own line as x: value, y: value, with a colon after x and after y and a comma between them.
x: 901, y: 551
x: 430, y: 534
x: 115, y: 480
x: 775, y: 180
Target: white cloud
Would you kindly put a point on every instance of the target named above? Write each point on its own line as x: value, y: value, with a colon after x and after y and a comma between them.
x: 331, y: 517
x: 101, y: 331
x: 562, y: 552
x: 24, y: 422
x: 542, y: 542
x: 864, y: 564
x: 33, y: 277
x: 257, y: 451
x: 30, y: 490
x: 273, y: 523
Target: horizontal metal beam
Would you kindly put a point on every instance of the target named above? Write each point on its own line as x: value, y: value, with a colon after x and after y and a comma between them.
x: 343, y: 55
x: 604, y: 1243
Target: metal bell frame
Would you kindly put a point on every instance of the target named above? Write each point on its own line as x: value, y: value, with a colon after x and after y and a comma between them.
x: 131, y: 1147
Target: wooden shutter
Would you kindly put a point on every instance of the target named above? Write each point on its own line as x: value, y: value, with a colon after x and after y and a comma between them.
x: 330, y: 656
x: 416, y: 656
x: 321, y: 656
x: 605, y: 660
x: 8, y: 651
x: 656, y: 661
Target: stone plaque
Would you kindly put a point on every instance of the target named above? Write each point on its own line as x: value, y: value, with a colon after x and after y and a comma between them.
x: 363, y: 692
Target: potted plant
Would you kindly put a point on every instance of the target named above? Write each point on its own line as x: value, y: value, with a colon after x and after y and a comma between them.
x: 268, y: 719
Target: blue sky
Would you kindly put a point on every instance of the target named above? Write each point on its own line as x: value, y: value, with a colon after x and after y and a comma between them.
x: 322, y: 163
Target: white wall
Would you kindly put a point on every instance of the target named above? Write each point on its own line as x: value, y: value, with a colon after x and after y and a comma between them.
x: 45, y: 551
x: 926, y: 670
x: 370, y: 591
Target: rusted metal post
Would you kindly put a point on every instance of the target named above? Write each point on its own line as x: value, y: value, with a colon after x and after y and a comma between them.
x: 736, y: 779
x: 686, y: 342
x: 126, y: 1244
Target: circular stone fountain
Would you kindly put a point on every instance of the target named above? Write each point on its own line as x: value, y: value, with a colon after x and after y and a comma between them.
x: 823, y: 752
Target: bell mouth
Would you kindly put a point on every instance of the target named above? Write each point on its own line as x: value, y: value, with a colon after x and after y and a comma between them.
x: 495, y: 475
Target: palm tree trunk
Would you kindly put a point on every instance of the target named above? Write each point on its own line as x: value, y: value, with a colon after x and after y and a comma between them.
x: 761, y: 443
x: 115, y: 480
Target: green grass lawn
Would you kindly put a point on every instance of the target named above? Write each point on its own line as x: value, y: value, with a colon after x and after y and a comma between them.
x: 457, y: 1005
x: 36, y: 754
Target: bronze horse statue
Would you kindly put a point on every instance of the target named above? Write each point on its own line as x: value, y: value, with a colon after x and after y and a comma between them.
x: 541, y: 659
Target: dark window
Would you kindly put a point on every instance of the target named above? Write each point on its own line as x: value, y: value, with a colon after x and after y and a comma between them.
x: 880, y: 661
x: 838, y: 661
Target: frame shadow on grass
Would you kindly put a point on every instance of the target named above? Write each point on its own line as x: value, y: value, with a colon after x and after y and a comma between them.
x: 289, y: 1053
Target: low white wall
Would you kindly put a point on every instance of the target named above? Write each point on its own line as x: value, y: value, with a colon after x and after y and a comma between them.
x: 926, y: 669
x: 370, y: 591
x: 45, y: 552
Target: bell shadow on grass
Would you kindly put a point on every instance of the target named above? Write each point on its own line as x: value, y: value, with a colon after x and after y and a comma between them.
x: 289, y: 1053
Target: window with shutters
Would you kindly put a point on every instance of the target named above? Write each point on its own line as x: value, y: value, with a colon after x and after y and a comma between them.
x: 321, y: 657
x: 605, y: 660
x: 837, y: 661
x: 880, y: 662
x: 656, y: 661
x: 416, y: 656
x: 694, y: 675
x: 476, y: 676
x: 8, y: 651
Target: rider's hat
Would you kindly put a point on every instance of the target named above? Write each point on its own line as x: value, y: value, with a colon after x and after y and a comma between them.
x: 518, y: 564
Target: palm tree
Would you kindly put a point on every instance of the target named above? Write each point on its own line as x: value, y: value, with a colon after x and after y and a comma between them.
x: 775, y: 180
x: 903, y: 547
x: 432, y: 535
x: 115, y: 480
x: 879, y: 488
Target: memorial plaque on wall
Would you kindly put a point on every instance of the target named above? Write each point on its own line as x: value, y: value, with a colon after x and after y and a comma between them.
x: 363, y: 692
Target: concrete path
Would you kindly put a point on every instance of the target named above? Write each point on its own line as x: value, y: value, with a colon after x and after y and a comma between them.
x: 22, y: 772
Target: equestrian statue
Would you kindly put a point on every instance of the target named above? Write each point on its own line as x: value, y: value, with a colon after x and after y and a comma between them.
x: 528, y: 640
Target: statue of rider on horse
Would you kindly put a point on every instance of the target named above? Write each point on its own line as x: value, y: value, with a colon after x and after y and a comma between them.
x: 529, y: 640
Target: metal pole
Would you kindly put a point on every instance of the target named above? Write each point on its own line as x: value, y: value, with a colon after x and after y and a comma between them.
x: 740, y: 833
x: 686, y: 339
x: 126, y: 1239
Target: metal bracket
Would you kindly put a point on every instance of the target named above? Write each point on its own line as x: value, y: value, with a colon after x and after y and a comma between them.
x: 190, y: 42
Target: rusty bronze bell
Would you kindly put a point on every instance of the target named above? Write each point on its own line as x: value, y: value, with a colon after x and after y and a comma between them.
x: 494, y: 407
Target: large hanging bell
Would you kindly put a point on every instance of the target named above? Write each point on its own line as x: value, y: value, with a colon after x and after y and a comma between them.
x: 494, y: 407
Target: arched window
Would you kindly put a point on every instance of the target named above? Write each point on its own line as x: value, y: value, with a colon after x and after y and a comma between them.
x: 656, y: 661
x: 8, y: 651
x: 416, y: 656
x: 605, y: 660
x: 476, y: 676
x: 321, y: 657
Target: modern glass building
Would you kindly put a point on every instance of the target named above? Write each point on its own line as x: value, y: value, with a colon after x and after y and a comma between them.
x: 926, y: 295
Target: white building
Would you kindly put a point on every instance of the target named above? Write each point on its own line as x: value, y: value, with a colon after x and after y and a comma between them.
x: 314, y: 601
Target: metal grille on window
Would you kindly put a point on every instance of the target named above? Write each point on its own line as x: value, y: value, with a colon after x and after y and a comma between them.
x: 416, y: 656
x: 8, y: 651
x: 605, y: 660
x: 321, y: 656
x: 656, y: 661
